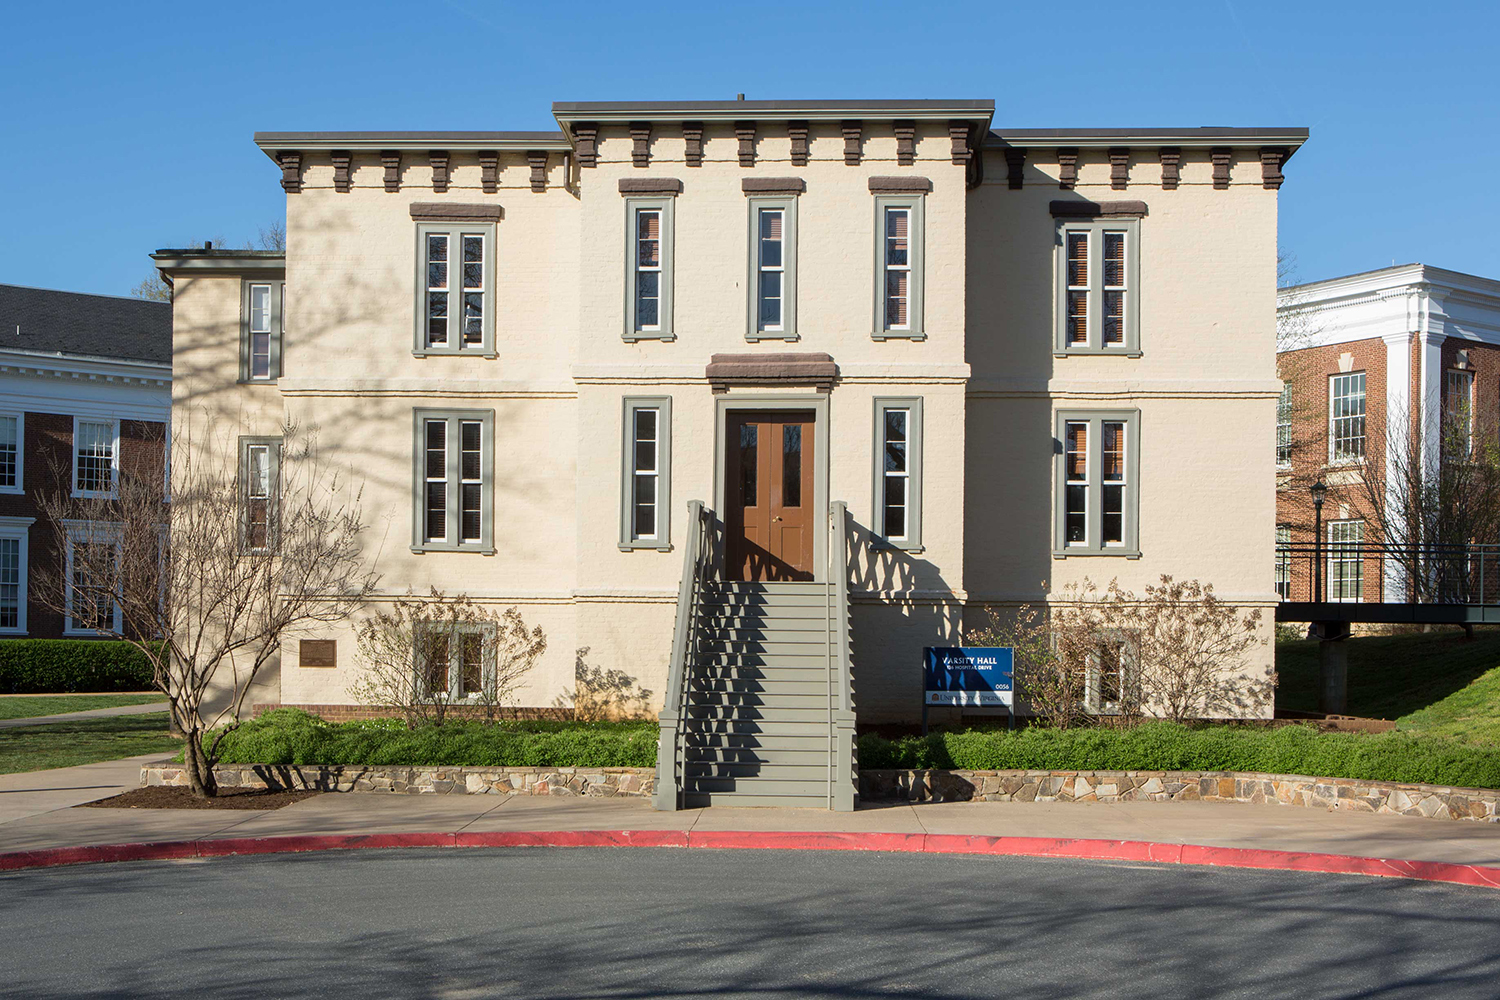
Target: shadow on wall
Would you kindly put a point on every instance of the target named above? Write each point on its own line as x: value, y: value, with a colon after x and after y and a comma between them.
x: 600, y: 694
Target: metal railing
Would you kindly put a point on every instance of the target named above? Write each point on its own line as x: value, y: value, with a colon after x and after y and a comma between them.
x: 1369, y: 572
x: 843, y: 767
x: 671, y: 747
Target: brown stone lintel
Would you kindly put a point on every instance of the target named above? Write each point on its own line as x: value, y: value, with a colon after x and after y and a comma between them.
x: 444, y: 211
x: 773, y: 185
x: 650, y: 185
x: 1098, y: 209
x: 899, y: 185
x: 810, y: 368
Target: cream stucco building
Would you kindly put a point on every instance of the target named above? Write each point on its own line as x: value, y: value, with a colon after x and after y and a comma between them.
x: 1019, y: 357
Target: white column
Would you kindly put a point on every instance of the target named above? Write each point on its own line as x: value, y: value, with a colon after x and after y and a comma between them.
x: 1398, y: 424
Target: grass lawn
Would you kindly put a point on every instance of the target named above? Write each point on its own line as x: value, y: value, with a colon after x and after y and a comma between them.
x: 30, y: 706
x: 1435, y: 682
x: 66, y: 744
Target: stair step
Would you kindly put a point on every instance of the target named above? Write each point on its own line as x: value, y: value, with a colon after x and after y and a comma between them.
x: 813, y: 756
x: 755, y: 727
x: 785, y: 630
x: 805, y: 615
x: 765, y: 586
x: 765, y: 715
x: 702, y: 800
x: 817, y: 659
x: 765, y: 647
x: 701, y: 743
x: 758, y: 786
x: 809, y: 770
x: 765, y: 701
x: 702, y: 687
x: 751, y: 602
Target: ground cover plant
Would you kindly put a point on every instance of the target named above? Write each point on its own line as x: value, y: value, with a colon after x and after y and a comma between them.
x: 291, y: 736
x: 34, y: 706
x: 1429, y: 682
x: 1166, y: 746
x: 88, y: 741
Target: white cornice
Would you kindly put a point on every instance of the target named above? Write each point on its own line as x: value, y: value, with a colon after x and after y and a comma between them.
x: 73, y: 367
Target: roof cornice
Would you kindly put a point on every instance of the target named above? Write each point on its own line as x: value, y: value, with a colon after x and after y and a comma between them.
x: 373, y: 142
x: 567, y: 112
x: 57, y: 365
x: 1093, y: 138
x: 228, y: 261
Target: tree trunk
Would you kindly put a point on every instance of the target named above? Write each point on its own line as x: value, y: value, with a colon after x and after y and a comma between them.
x: 200, y: 773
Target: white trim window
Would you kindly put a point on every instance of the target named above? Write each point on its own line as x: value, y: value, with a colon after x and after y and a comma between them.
x: 454, y: 479
x: 898, y: 472
x: 1346, y: 418
x: 14, y: 532
x: 771, y: 269
x: 898, y: 267
x: 456, y: 280
x: 1284, y: 426
x: 1110, y: 680
x: 1097, y: 484
x: 899, y: 255
x: 648, y: 270
x: 1283, y: 562
x: 12, y: 447
x: 96, y: 457
x: 1346, y: 563
x: 1076, y: 482
x: 260, y: 474
x: 456, y: 663
x: 1097, y: 307
x: 646, y: 474
x: 1458, y: 412
x: 1079, y: 290
x: 93, y: 577
x: 262, y: 329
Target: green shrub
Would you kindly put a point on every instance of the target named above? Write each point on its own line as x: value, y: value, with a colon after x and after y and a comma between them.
x: 292, y: 736
x: 51, y: 666
x: 1162, y: 746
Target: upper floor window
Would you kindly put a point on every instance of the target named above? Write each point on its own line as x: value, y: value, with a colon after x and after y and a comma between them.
x: 773, y: 268
x: 454, y: 481
x: 13, y: 571
x: 1346, y: 417
x: 1458, y: 412
x: 262, y: 325
x: 12, y: 435
x: 898, y: 472
x: 648, y: 300
x: 1097, y: 483
x: 899, y: 259
x: 1098, y: 281
x: 96, y: 457
x: 1284, y: 425
x: 645, y: 487
x: 1283, y: 562
x: 456, y: 288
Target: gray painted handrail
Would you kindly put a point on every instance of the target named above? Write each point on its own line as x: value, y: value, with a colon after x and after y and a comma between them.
x: 670, y: 763
x: 843, y: 765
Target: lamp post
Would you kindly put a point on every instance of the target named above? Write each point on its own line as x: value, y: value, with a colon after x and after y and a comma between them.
x: 1319, y: 491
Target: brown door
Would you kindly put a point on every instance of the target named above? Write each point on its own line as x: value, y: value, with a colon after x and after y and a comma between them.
x: 768, y: 496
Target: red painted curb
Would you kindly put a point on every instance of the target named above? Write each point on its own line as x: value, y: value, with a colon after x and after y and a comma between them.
x: 907, y: 843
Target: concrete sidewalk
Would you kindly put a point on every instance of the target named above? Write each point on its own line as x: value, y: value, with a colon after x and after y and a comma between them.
x: 92, y: 713
x: 35, y: 813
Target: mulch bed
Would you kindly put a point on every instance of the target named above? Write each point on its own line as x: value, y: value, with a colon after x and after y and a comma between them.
x: 172, y: 797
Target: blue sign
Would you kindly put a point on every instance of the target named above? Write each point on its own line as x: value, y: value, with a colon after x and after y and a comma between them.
x: 968, y: 675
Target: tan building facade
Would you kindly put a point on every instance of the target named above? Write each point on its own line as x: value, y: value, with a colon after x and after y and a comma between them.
x: 1021, y: 358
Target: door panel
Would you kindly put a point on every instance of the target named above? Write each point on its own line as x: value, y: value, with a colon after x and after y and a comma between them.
x: 769, y: 496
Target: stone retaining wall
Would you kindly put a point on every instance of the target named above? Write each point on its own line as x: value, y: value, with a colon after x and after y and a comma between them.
x: 1390, y: 798
x: 594, y: 782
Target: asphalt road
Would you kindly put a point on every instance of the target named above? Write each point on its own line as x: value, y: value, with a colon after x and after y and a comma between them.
x: 638, y: 923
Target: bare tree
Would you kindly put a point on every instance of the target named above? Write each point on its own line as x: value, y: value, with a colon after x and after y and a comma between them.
x: 1042, y: 680
x: 209, y: 585
x: 427, y: 656
x: 1299, y: 417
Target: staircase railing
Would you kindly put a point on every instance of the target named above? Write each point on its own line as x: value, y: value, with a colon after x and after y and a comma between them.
x: 843, y: 766
x: 671, y: 745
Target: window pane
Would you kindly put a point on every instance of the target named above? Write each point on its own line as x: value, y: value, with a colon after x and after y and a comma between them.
x: 9, y: 451
x: 648, y: 239
x: 1114, y: 260
x: 1347, y: 416
x: 437, y: 317
x: 1114, y: 317
x: 644, y: 503
x: 260, y: 308
x: 10, y: 582
x: 471, y: 512
x: 749, y: 448
x: 895, y: 521
x: 260, y: 355
x: 473, y: 317
x: 95, y: 454
x: 437, y: 512
x: 896, y: 297
x: 1078, y: 317
x: 897, y: 222
x: 1076, y: 451
x: 791, y: 465
x: 1113, y: 513
x: 434, y: 663
x: 647, y: 300
x: 770, y: 299
x: 645, y: 424
x: 437, y: 449
x: 471, y: 663
x: 770, y: 238
x: 473, y: 249
x: 469, y: 453
x: 1078, y: 260
x: 1114, y: 451
x: 1077, y: 515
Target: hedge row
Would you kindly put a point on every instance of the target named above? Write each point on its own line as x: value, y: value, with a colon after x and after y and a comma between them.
x: 50, y: 666
x: 291, y: 736
x: 1161, y: 746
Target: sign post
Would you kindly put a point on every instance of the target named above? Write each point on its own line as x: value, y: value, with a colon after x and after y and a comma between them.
x: 968, y: 675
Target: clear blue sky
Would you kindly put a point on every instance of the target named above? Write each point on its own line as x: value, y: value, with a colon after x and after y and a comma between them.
x: 127, y: 126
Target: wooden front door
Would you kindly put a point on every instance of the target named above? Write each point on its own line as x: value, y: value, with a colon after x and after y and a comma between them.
x: 768, y: 496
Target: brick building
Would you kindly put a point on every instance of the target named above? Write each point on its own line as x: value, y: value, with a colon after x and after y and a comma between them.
x: 1374, y: 366
x: 85, y: 387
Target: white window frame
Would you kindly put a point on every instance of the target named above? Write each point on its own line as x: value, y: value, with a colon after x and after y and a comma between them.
x: 1464, y: 375
x: 93, y: 532
x: 1129, y: 546
x: 455, y: 232
x: 1129, y: 673
x: 114, y: 458
x: 916, y: 261
x: 487, y: 671
x: 1334, y: 456
x: 1284, y: 427
x: 20, y: 483
x: 1283, y: 580
x: 1338, y: 557
x: 1098, y: 230
x: 911, y: 540
x: 787, y: 328
x: 276, y: 320
x: 662, y: 329
x: 273, y: 498
x: 661, y: 540
x: 453, y: 477
x: 19, y: 528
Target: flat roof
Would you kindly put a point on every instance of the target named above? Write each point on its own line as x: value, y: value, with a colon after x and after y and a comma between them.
x: 1203, y: 135
x: 199, y: 259
x: 270, y: 142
